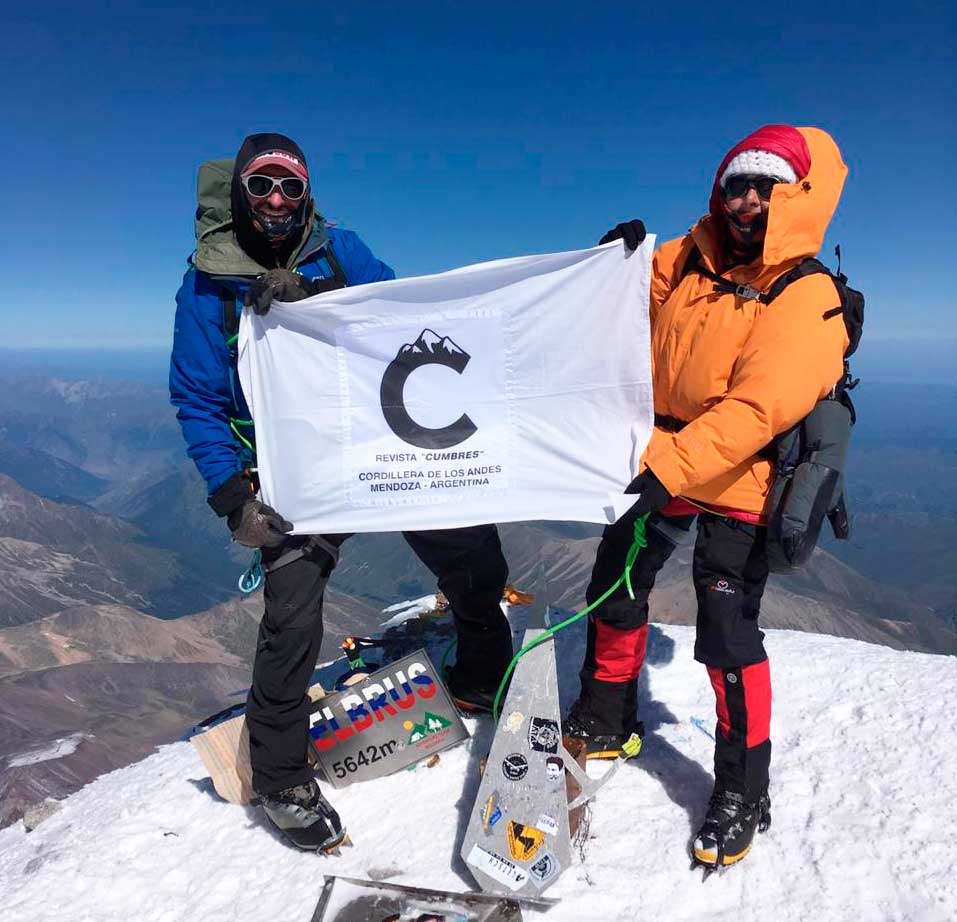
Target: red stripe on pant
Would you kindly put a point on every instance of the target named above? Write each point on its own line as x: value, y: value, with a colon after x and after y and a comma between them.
x: 750, y: 686
x: 619, y: 653
x: 721, y: 700
x: 757, y: 701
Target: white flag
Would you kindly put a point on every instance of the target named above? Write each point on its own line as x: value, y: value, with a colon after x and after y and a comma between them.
x: 507, y: 391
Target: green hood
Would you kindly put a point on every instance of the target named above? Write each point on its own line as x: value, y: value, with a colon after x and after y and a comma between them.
x: 217, y: 251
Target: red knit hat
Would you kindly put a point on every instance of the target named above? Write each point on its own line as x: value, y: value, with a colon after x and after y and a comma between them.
x: 778, y: 140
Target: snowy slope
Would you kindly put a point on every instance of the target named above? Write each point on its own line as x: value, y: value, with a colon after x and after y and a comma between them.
x: 406, y: 611
x: 864, y: 804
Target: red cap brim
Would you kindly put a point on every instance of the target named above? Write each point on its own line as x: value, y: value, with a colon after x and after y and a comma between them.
x: 278, y: 158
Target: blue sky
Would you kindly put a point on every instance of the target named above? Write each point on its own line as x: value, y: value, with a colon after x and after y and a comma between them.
x: 451, y: 133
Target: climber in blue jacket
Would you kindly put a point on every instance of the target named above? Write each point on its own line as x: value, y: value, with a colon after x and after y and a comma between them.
x: 260, y: 238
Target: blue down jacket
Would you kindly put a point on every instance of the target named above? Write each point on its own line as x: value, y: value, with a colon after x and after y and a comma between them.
x: 203, y: 383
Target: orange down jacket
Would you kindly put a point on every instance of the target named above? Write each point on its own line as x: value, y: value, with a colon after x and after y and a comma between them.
x: 739, y: 372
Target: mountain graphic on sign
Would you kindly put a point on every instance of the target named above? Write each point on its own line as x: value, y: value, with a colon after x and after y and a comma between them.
x: 431, y: 723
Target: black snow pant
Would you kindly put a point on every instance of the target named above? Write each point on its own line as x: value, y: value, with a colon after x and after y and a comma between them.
x: 730, y: 570
x: 471, y: 571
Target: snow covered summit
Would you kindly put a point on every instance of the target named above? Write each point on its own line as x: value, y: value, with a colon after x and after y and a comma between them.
x: 864, y: 803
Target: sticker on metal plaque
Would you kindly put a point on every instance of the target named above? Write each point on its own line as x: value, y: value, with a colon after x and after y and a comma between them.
x: 389, y: 721
x: 524, y: 851
x: 498, y: 867
x: 544, y: 869
x: 523, y: 840
x: 544, y: 735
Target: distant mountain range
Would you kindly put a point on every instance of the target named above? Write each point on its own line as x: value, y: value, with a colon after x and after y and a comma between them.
x: 119, y: 615
x: 57, y: 555
x: 122, y: 710
x: 115, y: 445
x: 125, y: 682
x: 49, y: 476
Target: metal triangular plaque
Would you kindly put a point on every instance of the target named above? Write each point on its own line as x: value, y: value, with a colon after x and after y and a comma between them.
x: 517, y: 842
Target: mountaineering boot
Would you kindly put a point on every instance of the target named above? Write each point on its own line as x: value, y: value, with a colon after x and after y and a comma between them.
x: 605, y: 718
x: 598, y: 742
x: 726, y: 834
x: 471, y: 698
x: 305, y: 817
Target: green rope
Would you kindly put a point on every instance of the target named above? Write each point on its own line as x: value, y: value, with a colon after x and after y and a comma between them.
x: 234, y: 425
x: 638, y: 542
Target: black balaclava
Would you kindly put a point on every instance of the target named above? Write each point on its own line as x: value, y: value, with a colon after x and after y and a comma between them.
x: 253, y: 240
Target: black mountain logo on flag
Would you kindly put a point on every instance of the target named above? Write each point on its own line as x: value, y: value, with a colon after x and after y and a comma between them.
x: 428, y: 349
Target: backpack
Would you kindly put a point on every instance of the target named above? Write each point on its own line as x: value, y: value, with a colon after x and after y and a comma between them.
x: 809, y: 458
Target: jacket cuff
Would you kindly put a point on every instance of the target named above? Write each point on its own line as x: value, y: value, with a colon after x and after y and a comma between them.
x: 232, y: 495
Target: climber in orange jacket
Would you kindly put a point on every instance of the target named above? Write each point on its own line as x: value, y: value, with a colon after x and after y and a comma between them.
x: 729, y: 373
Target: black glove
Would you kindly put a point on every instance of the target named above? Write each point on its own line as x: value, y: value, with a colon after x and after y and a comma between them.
x: 277, y: 285
x: 255, y: 524
x: 632, y: 232
x: 654, y: 496
x: 252, y: 522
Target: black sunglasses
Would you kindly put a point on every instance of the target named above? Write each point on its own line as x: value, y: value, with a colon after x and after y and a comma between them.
x: 259, y: 185
x: 737, y: 186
